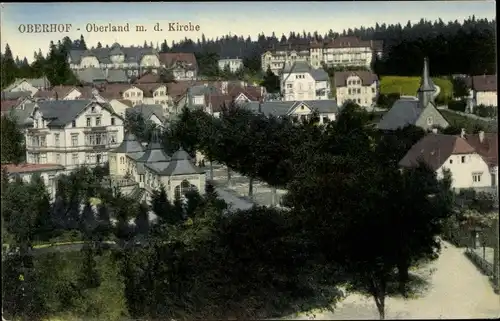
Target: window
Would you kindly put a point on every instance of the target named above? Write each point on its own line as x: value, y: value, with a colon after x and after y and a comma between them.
x: 122, y: 160
x: 43, y: 158
x: 112, y: 138
x: 74, y: 140
x: 373, y: 90
x: 451, y: 161
x: 92, y: 109
x: 289, y: 85
x: 349, y: 90
x: 462, y: 159
x: 112, y: 121
x: 126, y: 94
x: 429, y: 121
x: 476, y: 177
x: 74, y: 158
x: 98, y: 121
x: 56, y: 140
x: 359, y: 90
x: 98, y: 158
x: 36, y: 123
x: 89, y: 122
x: 58, y: 158
x: 73, y: 123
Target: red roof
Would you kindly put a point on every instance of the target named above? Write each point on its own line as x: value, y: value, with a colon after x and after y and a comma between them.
x: 148, y: 79
x: 170, y: 58
x: 486, y: 146
x: 27, y: 168
x: 7, y: 105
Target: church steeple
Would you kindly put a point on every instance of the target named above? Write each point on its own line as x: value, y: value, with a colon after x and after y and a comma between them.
x: 426, y: 90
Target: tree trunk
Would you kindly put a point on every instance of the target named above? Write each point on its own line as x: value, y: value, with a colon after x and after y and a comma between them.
x: 250, y: 188
x: 403, y: 277
x: 273, y: 196
x: 228, y: 176
x: 211, y: 169
x: 378, y: 292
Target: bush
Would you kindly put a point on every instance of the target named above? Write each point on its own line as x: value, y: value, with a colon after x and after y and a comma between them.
x: 459, y: 105
x: 485, y: 111
x: 387, y: 100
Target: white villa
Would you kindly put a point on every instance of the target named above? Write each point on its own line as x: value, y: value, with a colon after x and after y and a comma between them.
x: 360, y: 87
x: 72, y: 133
x: 147, y: 169
x: 300, y: 81
x: 234, y: 64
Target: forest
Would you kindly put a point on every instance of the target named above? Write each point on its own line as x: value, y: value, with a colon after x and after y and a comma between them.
x: 467, y: 47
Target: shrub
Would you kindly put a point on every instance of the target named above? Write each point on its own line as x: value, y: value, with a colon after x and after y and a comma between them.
x: 459, y: 105
x: 485, y: 111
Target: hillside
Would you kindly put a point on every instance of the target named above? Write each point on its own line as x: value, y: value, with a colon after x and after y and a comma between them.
x: 408, y: 86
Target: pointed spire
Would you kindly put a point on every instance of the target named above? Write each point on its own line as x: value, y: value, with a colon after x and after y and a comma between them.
x: 426, y: 90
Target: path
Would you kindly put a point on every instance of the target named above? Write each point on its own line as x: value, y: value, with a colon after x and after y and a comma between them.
x: 457, y: 290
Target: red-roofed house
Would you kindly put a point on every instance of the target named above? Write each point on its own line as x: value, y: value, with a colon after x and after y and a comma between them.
x: 472, y: 159
x: 183, y: 65
x: 483, y: 89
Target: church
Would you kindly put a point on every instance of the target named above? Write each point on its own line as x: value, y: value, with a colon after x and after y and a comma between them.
x: 421, y: 112
x: 138, y: 171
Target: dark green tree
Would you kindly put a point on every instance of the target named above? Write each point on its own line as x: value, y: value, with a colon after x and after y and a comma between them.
x: 13, y: 149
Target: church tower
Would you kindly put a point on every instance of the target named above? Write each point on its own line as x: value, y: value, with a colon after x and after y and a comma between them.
x: 426, y: 91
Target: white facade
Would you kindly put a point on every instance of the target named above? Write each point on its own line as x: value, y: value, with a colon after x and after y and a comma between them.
x: 486, y: 98
x: 158, y: 96
x: 302, y: 85
x: 342, y: 57
x: 468, y: 171
x: 148, y: 62
x: 85, y: 139
x: 234, y: 64
x: 279, y: 59
x: 354, y: 90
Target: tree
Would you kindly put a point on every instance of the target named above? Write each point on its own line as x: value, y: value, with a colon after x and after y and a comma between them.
x: 88, y: 222
x: 13, y: 150
x: 99, y: 45
x: 9, y: 68
x: 89, y: 277
x: 82, y: 45
x: 142, y: 220
x: 271, y: 82
x: 163, y: 209
x: 460, y: 89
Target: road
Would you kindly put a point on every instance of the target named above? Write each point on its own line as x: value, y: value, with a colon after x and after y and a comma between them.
x: 457, y: 290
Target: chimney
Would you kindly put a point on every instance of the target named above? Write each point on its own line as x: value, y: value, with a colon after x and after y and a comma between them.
x: 435, y: 130
x: 481, y: 136
x: 462, y: 133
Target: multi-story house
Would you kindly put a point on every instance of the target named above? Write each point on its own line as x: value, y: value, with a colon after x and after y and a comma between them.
x: 96, y: 76
x: 360, y: 87
x: 64, y: 93
x: 471, y: 159
x: 282, y: 55
x: 483, y: 90
x: 300, y: 81
x: 72, y: 133
x: 134, y: 60
x: 182, y: 65
x: 339, y: 52
x: 234, y: 64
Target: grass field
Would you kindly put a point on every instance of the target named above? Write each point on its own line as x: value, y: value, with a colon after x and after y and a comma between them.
x: 467, y: 122
x: 408, y: 86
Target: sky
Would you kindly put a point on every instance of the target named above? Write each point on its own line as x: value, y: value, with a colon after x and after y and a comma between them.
x: 215, y: 19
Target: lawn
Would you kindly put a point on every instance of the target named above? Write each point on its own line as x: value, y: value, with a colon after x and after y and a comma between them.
x: 467, y: 122
x: 408, y: 86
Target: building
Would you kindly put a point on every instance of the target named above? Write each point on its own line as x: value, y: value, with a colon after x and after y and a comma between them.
x: 133, y: 60
x: 72, y: 133
x: 47, y: 172
x: 361, y: 87
x: 182, y: 65
x: 300, y: 81
x: 470, y: 167
x: 296, y: 110
x: 65, y: 93
x: 150, y: 113
x: 120, y: 106
x: 97, y: 76
x: 151, y: 167
x: 29, y: 84
x: 339, y: 52
x: 234, y: 64
x: 483, y: 90
x: 421, y: 112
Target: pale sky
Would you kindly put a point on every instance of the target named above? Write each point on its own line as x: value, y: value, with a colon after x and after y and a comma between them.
x: 216, y: 19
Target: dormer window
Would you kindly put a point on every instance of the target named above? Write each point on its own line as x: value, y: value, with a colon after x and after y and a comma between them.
x: 93, y: 109
x: 73, y: 123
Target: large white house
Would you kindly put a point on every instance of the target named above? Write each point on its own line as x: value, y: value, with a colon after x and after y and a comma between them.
x: 31, y: 85
x: 300, y: 81
x: 360, y: 87
x: 149, y: 168
x: 339, y: 52
x: 234, y: 64
x: 72, y: 133
x: 471, y: 159
x: 483, y: 90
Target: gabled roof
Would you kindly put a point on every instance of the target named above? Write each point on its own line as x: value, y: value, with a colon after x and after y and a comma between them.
x: 130, y: 144
x: 487, y: 148
x: 367, y: 77
x: 434, y: 150
x: 61, y: 112
x: 147, y: 111
x: 41, y: 82
x: 304, y: 67
x: 148, y: 78
x: 171, y: 58
x: 482, y: 82
x: 405, y: 111
x: 9, y: 95
x: 284, y: 108
x: 132, y: 54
